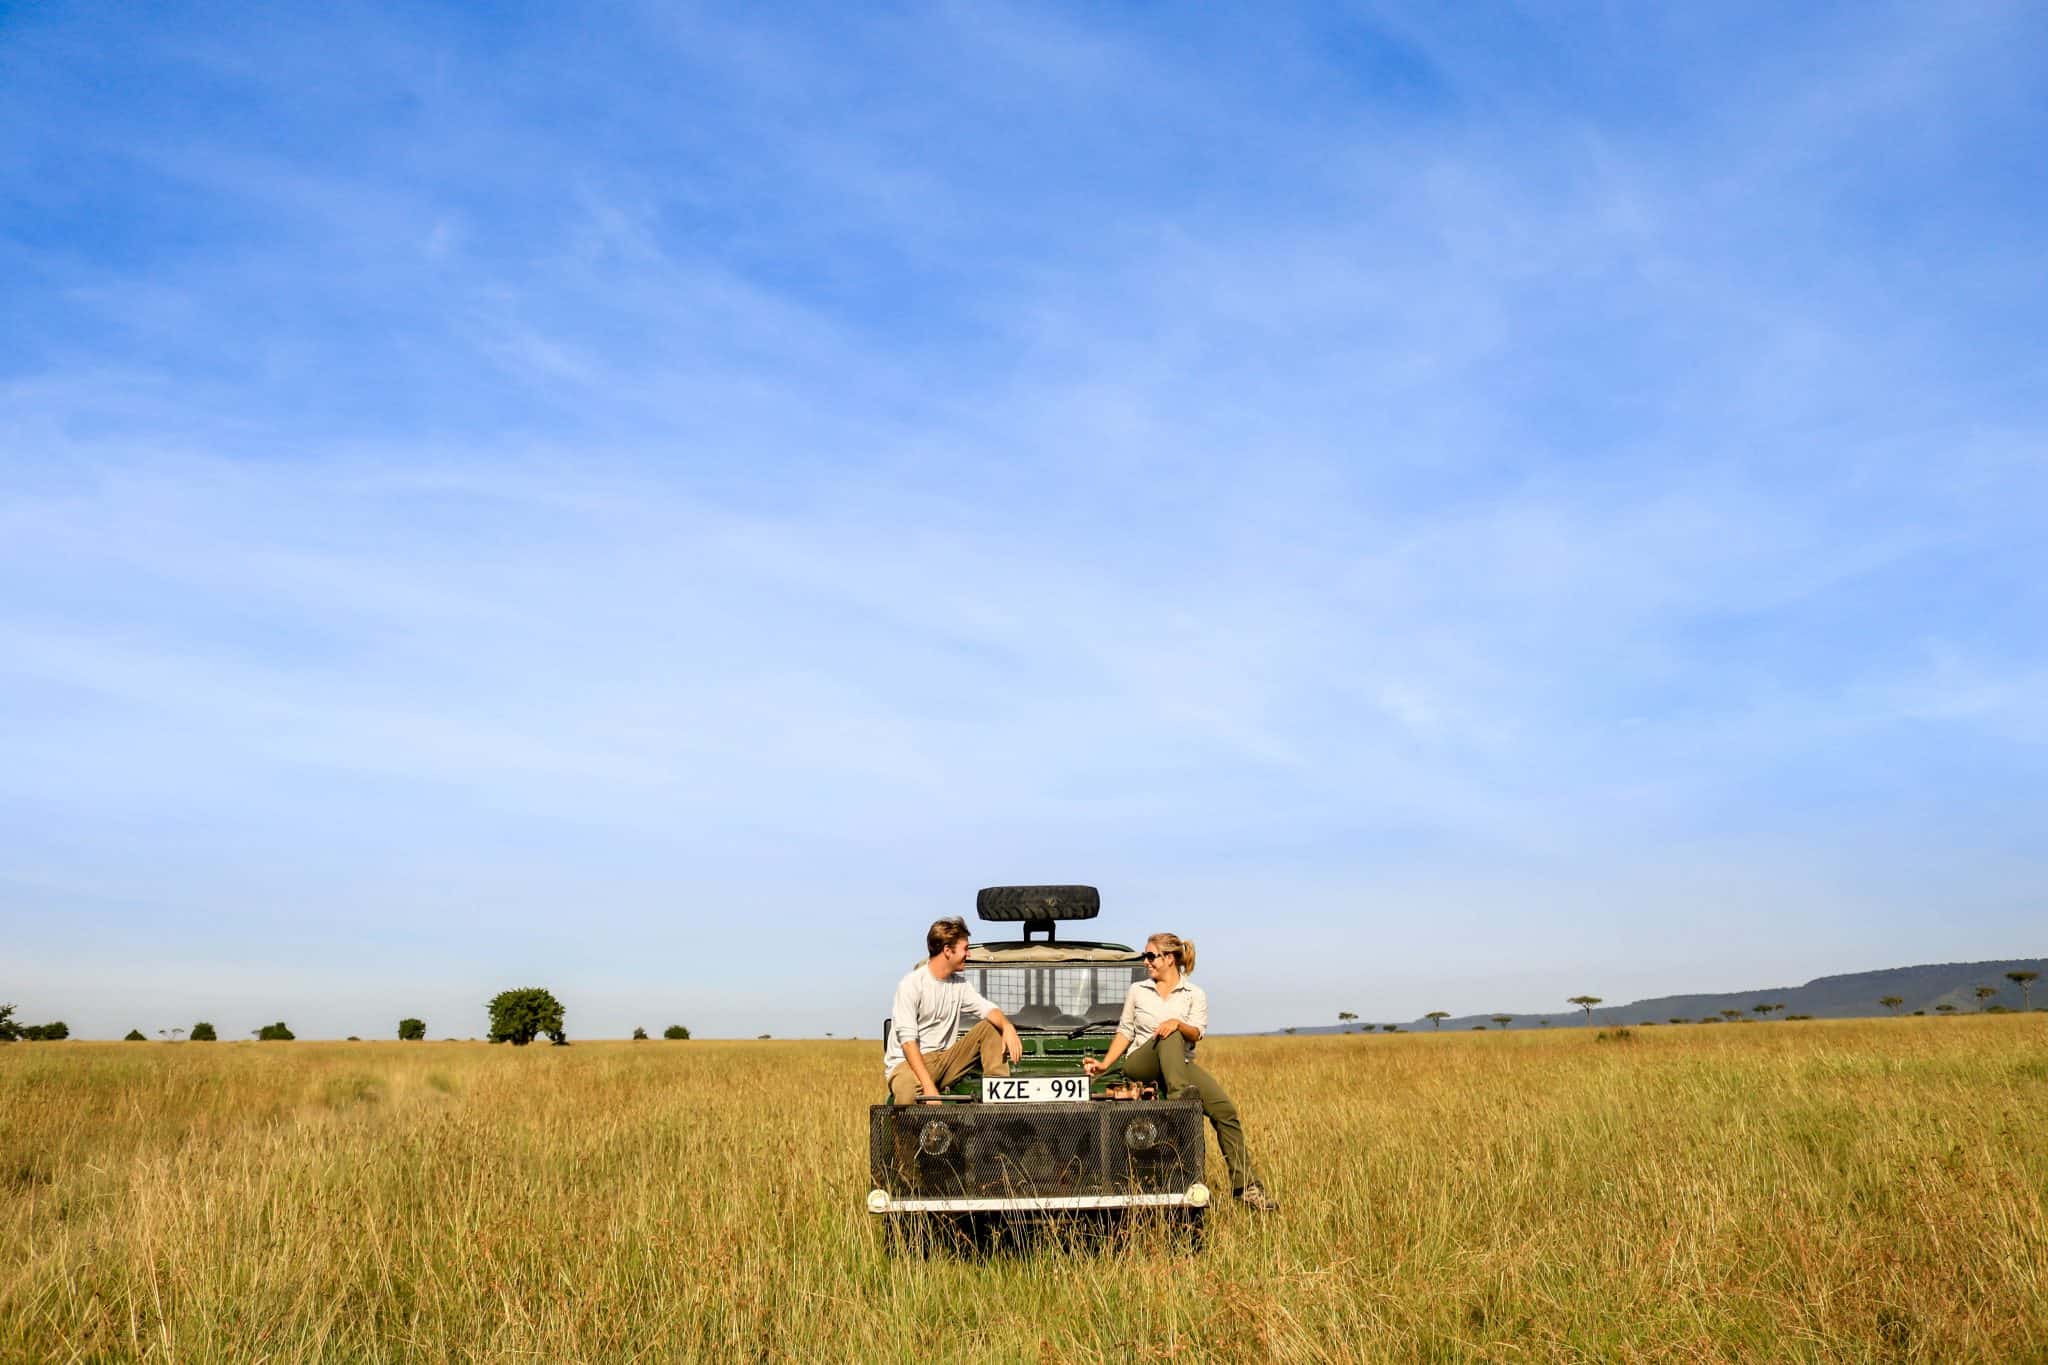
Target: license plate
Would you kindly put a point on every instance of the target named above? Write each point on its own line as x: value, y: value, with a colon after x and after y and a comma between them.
x: 1032, y: 1089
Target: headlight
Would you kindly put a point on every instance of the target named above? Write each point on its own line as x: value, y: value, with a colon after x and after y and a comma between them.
x: 1142, y: 1135
x: 935, y: 1138
x: 1198, y: 1195
x: 878, y: 1201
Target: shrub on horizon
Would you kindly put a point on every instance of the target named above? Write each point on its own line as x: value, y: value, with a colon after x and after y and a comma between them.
x: 521, y: 1015
x: 202, y: 1032
x: 639, y: 1035
x: 274, y: 1033
x: 136, y: 1035
x: 412, y: 1030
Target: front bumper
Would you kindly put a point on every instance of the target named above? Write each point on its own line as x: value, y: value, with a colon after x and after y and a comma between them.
x: 1196, y: 1196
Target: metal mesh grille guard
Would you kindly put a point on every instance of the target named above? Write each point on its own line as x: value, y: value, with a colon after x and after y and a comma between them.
x: 1035, y: 1150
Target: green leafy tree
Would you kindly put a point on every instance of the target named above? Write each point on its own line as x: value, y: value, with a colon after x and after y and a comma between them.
x: 1436, y: 1018
x: 202, y: 1032
x: 1731, y: 1014
x: 135, y: 1035
x: 1678, y: 1021
x: 1345, y: 1016
x: 1984, y: 993
x: 639, y: 1035
x: 1944, y: 1008
x: 1761, y: 1010
x: 676, y: 1033
x: 46, y: 1033
x: 1288, y: 1031
x: 2025, y: 981
x: 412, y: 1030
x: 519, y: 1016
x: 9, y: 1030
x: 1390, y: 1028
x: 275, y: 1033
x: 1503, y: 1019
x: 1891, y: 1002
x: 1586, y: 1003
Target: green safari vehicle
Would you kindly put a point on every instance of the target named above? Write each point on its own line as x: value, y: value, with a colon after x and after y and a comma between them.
x: 1045, y: 1143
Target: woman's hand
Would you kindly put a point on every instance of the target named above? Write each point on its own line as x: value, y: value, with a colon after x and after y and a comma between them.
x: 1168, y: 1028
x: 1092, y: 1067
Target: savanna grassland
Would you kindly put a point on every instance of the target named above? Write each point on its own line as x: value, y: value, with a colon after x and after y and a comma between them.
x: 1788, y: 1190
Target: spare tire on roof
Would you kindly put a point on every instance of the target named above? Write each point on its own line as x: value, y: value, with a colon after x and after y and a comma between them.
x: 1034, y: 904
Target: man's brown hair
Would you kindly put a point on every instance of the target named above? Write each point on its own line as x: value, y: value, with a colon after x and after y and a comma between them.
x: 943, y: 934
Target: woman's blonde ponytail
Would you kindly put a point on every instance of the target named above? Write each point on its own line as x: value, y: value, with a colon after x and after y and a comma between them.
x: 1182, y: 949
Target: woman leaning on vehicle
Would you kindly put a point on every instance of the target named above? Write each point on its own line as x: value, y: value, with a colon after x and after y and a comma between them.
x: 1163, y: 1019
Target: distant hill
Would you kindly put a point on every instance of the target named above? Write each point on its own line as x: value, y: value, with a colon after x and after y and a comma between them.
x: 1851, y: 996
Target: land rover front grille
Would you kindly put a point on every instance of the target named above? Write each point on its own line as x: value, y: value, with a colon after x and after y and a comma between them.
x: 1035, y: 1150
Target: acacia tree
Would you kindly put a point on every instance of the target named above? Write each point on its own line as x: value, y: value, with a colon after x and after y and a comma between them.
x: 1944, y: 1008
x: 676, y: 1033
x: 1345, y: 1017
x: 1891, y: 1002
x: 412, y: 1030
x: 1586, y: 1003
x: 1731, y: 1014
x: 640, y: 1035
x: 519, y: 1016
x: 1503, y: 1019
x: 202, y: 1032
x: 1984, y: 993
x: 1436, y: 1018
x: 2024, y: 980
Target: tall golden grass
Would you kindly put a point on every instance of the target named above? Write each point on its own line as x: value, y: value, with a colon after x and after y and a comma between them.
x: 1779, y: 1191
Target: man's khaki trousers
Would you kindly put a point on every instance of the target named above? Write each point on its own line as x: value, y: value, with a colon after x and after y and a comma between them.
x: 981, y: 1046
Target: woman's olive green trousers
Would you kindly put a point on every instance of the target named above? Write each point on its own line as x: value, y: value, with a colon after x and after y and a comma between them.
x: 1178, y: 1078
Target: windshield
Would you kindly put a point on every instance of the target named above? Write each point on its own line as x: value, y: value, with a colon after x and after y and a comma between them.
x: 1037, y: 997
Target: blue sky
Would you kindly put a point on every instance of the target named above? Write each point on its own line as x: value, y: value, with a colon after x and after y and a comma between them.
x: 1449, y: 507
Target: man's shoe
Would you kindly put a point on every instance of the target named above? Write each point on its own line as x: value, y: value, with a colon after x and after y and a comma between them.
x: 1253, y: 1196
